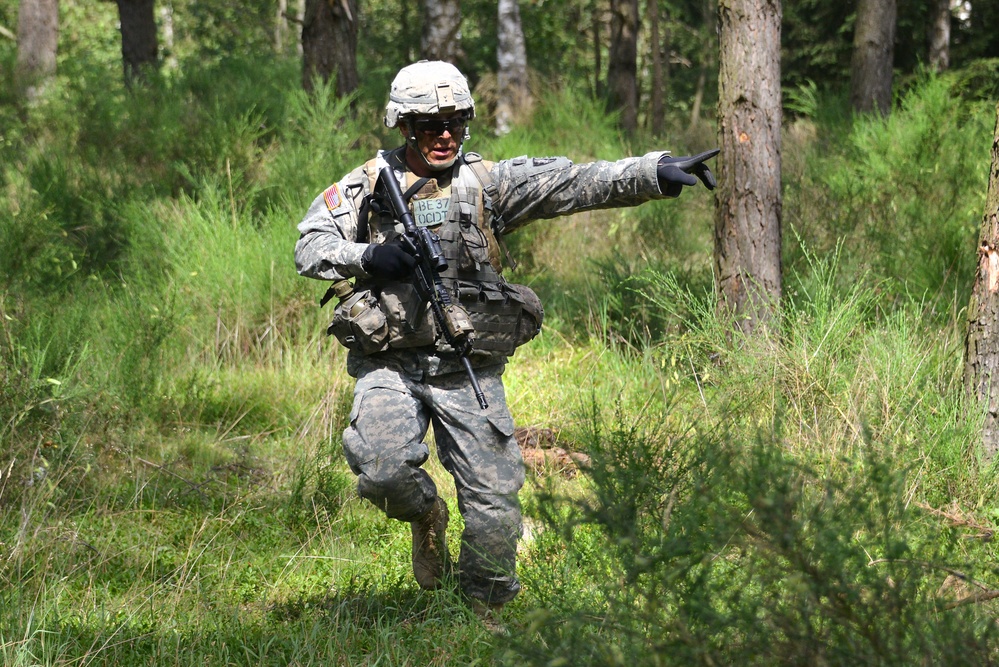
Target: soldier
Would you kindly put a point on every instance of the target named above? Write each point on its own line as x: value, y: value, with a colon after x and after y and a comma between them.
x: 407, y: 378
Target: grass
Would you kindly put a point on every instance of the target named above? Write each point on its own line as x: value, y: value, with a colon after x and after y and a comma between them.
x: 171, y: 484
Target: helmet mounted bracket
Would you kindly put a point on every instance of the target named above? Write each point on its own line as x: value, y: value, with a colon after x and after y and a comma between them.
x: 445, y: 97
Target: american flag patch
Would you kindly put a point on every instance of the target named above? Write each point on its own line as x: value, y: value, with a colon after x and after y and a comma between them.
x: 332, y: 197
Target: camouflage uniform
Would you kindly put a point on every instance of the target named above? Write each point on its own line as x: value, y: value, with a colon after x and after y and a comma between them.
x: 402, y: 390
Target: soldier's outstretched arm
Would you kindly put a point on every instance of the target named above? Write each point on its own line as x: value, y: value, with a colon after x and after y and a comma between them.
x: 535, y: 188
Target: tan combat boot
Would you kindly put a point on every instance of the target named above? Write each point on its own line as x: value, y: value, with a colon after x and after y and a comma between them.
x: 431, y: 559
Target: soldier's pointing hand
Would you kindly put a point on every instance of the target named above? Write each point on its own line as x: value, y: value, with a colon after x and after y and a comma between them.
x: 675, y: 172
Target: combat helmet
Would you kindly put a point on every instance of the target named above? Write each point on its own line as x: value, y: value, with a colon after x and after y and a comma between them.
x: 428, y: 87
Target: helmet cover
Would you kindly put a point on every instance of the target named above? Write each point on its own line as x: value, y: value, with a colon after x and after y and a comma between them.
x: 428, y: 87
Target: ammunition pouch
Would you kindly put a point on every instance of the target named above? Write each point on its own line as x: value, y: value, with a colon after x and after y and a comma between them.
x: 358, y: 323
x: 505, y: 316
x: 410, y: 320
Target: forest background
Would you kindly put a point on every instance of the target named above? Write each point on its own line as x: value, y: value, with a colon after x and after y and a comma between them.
x: 171, y: 484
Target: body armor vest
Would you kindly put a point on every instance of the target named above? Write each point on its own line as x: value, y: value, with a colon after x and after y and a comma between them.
x: 503, y: 315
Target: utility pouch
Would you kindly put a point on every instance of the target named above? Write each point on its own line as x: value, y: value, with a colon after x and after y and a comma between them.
x: 533, y: 315
x: 410, y: 320
x: 358, y: 323
x: 504, y: 316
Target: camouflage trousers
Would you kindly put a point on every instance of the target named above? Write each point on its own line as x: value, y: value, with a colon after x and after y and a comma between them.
x: 385, y: 448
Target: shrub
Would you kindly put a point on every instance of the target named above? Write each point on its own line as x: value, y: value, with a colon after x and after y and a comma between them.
x: 721, y: 550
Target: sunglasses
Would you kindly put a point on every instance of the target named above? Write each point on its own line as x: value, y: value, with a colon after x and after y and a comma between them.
x: 436, y: 126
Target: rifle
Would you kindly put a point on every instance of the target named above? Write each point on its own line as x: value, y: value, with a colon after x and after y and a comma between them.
x: 452, y: 320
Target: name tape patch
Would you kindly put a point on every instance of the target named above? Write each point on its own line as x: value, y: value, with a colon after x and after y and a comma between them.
x: 430, y: 212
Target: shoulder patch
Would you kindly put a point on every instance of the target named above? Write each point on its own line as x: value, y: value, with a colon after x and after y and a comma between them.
x: 332, y: 197
x: 542, y: 161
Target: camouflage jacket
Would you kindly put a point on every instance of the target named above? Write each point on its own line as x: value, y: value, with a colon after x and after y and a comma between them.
x: 518, y: 191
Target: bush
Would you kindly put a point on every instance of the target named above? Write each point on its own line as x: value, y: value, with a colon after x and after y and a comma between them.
x: 713, y: 549
x: 906, y: 195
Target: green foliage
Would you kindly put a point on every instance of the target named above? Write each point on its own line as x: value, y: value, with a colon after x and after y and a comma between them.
x: 719, y: 550
x: 802, y: 100
x: 816, y: 42
x: 214, y: 29
x: 979, y: 80
x: 392, y: 30
x: 69, y: 226
x: 321, y: 140
x: 103, y: 295
x: 568, y: 121
x: 88, y: 36
x: 37, y: 391
x: 905, y: 196
x: 972, y: 38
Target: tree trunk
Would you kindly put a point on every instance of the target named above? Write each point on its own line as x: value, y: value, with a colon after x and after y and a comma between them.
x: 940, y: 36
x: 514, y: 101
x: 667, y: 56
x: 657, y: 115
x: 981, y: 347
x: 37, y: 41
x: 329, y: 44
x: 139, y: 48
x: 281, y: 27
x: 748, y: 206
x: 597, y: 50
x: 695, y: 107
x: 442, y: 31
x: 622, y: 65
x: 299, y: 22
x: 873, y: 55
x: 166, y: 21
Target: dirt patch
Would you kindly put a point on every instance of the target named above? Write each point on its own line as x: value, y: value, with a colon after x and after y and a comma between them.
x: 545, y: 452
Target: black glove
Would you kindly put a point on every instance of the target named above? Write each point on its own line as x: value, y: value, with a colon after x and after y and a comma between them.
x: 387, y: 261
x: 675, y: 172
